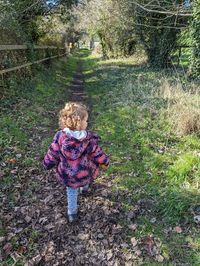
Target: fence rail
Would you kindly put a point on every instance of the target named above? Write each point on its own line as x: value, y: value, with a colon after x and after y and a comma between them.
x: 15, y: 48
x: 24, y: 47
x: 29, y: 64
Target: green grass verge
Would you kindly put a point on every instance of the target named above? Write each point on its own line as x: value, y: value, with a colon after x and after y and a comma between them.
x: 147, y: 158
x: 29, y: 109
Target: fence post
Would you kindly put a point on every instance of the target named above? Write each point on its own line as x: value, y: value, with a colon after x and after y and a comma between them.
x: 179, y: 55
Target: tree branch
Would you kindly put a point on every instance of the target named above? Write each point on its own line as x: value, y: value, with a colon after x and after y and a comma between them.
x: 178, y: 13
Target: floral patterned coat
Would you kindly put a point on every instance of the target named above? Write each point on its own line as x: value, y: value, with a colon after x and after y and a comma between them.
x: 77, y: 161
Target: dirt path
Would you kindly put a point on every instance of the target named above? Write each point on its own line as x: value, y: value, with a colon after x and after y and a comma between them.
x: 97, y: 239
x: 77, y: 87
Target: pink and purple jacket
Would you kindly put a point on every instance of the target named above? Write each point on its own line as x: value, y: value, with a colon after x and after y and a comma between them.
x: 77, y: 161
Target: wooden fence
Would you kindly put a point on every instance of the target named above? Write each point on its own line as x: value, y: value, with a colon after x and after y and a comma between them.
x: 15, y: 57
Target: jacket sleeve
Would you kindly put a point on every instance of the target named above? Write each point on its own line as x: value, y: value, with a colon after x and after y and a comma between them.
x: 52, y: 157
x: 99, y: 156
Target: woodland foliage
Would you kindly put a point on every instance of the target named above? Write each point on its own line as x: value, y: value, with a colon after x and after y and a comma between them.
x: 158, y: 31
x: 195, y: 33
x: 107, y: 20
x: 121, y: 26
x: 28, y: 22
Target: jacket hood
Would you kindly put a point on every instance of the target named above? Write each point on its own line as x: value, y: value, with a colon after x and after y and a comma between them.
x: 72, y: 148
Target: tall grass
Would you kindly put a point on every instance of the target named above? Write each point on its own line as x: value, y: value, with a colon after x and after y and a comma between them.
x: 183, y: 106
x: 134, y: 107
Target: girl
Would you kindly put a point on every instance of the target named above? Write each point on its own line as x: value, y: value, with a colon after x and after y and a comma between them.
x: 76, y: 154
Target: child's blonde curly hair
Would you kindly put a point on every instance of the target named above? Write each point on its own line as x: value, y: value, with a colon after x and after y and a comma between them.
x: 72, y: 115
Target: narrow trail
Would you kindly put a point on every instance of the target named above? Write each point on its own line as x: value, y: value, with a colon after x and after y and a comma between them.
x: 97, y: 238
x: 77, y: 87
x: 116, y: 226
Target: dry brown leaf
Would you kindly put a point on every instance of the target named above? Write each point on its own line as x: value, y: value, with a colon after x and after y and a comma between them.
x: 148, y: 243
x: 100, y: 236
x: 138, y: 253
x: 12, y: 161
x: 83, y: 236
x: 132, y: 227
x: 109, y: 255
x: 43, y: 220
x: 28, y: 219
x: 21, y: 250
x: 159, y: 258
x: 2, y: 238
x: 178, y: 229
x: 134, y: 241
x: 7, y: 248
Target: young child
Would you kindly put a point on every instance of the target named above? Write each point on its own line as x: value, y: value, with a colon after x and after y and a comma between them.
x: 75, y: 153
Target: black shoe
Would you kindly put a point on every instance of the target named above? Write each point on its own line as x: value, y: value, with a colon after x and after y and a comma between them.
x: 72, y: 218
x: 84, y: 191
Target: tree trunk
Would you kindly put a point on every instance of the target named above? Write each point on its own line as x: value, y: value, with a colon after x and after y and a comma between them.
x: 195, y: 32
x: 103, y: 45
x: 161, y: 47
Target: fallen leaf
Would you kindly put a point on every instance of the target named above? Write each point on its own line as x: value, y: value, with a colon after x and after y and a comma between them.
x: 134, y: 241
x: 34, y: 261
x: 49, y: 226
x: 7, y: 249
x: 2, y: 238
x: 47, y: 199
x: 178, y: 229
x: 153, y: 220
x: 18, y: 230
x: 43, y: 220
x: 197, y: 219
x: 148, y: 243
x: 109, y: 255
x: 100, y: 236
x: 28, y: 219
x: 124, y: 245
x: 133, y: 213
x: 83, y: 236
x: 21, y: 250
x: 159, y: 258
x: 2, y: 173
x: 104, y: 193
x: 132, y: 227
x: 8, y: 217
x: 14, y: 171
x: 138, y: 253
x: 129, y: 256
x: 12, y: 161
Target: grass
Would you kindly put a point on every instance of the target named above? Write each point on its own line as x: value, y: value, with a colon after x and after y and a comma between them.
x: 147, y: 158
x: 28, y: 110
x: 183, y: 102
x: 184, y: 58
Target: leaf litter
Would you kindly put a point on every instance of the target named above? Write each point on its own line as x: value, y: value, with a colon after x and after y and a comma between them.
x: 37, y: 231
